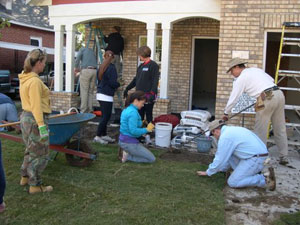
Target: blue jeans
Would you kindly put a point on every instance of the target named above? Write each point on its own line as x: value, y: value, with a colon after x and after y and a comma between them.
x: 2, y: 177
x: 137, y: 152
x: 245, y: 172
x: 8, y: 112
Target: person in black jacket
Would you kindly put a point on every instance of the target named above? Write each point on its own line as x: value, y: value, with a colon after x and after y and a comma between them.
x: 146, y: 80
x: 115, y: 43
x: 107, y: 85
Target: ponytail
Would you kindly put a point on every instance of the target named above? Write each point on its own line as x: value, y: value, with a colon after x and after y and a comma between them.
x: 108, y: 57
x: 32, y: 58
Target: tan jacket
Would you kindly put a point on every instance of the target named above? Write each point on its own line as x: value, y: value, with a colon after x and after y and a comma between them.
x: 34, y: 96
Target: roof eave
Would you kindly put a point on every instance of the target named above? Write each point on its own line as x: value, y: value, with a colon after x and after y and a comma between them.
x: 39, y: 2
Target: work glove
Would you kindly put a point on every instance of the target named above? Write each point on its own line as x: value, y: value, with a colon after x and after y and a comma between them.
x: 125, y: 93
x: 225, y: 117
x: 44, y: 134
x: 150, y: 127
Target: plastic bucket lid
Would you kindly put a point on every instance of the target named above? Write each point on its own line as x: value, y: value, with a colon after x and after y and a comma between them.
x: 163, y: 126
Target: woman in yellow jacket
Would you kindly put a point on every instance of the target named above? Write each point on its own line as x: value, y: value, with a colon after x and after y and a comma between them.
x: 34, y: 121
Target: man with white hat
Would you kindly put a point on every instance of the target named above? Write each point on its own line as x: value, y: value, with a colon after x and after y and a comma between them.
x: 269, y: 105
x: 244, y: 152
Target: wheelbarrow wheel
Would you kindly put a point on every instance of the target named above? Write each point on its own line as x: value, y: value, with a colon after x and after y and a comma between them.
x: 76, y: 160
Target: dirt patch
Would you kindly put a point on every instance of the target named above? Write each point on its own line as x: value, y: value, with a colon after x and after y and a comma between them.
x: 185, y: 156
x: 259, y: 206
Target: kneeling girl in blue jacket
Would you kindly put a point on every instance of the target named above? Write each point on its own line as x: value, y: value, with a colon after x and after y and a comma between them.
x: 131, y: 129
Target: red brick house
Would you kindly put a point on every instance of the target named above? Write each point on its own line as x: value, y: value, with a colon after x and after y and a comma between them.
x: 29, y: 29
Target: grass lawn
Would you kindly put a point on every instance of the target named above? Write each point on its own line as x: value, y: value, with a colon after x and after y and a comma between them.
x: 288, y: 219
x: 109, y: 192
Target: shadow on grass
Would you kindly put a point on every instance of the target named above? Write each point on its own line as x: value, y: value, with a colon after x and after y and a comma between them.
x: 109, y: 192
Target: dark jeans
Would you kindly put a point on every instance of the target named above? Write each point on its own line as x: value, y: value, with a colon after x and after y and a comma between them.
x: 148, y: 109
x: 106, y: 109
x: 2, y: 177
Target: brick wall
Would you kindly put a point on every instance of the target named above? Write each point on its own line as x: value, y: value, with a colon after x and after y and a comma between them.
x: 64, y: 100
x: 21, y: 35
x: 242, y: 28
x: 130, y: 30
x: 181, y: 53
x: 13, y: 60
x: 180, y: 71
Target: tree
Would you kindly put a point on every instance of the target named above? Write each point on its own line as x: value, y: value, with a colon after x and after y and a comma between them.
x: 3, y: 23
x: 81, y: 37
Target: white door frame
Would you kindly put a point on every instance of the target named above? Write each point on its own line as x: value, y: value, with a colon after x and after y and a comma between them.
x: 266, y: 41
x: 192, y: 65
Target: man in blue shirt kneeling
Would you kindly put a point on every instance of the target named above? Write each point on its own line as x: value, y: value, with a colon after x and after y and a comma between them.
x: 244, y: 152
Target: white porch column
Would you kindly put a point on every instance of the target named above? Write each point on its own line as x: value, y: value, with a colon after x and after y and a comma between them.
x: 58, y: 57
x: 151, y: 38
x: 165, y: 59
x: 70, y: 50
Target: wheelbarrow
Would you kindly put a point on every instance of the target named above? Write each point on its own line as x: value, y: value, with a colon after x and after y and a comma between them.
x: 62, y: 129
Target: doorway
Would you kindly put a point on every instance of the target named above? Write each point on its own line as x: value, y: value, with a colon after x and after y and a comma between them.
x: 204, y: 74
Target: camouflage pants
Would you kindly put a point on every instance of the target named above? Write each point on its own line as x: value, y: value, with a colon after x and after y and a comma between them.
x: 36, y: 152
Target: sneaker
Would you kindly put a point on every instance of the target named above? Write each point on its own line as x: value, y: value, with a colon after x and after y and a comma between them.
x: 24, y: 181
x: 271, y: 179
x: 125, y: 156
x: 108, y: 139
x: 2, y: 207
x: 39, y: 189
x: 100, y: 140
x: 283, y: 161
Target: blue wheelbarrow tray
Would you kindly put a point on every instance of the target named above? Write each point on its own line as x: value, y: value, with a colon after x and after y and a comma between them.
x: 63, y: 128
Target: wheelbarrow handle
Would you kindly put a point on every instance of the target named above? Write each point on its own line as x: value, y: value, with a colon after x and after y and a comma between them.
x: 51, y: 117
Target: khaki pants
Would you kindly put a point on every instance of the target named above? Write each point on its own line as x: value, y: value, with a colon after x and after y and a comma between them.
x: 119, y: 92
x: 87, y: 86
x: 274, y: 111
x: 117, y: 63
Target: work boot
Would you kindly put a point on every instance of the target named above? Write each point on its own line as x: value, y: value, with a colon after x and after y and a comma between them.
x: 24, y: 181
x: 38, y: 189
x: 271, y: 179
x: 283, y: 160
x: 2, y: 207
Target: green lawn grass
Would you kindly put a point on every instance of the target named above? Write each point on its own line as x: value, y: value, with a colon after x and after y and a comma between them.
x: 288, y: 219
x: 109, y: 192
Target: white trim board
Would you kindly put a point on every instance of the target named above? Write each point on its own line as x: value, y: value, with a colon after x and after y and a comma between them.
x: 31, y: 26
x: 21, y: 47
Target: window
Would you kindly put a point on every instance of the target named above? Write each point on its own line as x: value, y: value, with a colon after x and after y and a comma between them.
x: 157, y: 56
x: 36, y: 41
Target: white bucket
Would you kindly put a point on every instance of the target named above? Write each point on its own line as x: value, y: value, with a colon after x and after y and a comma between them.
x: 163, y: 134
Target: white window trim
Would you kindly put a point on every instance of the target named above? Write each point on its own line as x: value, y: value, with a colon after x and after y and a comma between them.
x: 39, y: 39
x: 139, y: 45
x: 266, y: 41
